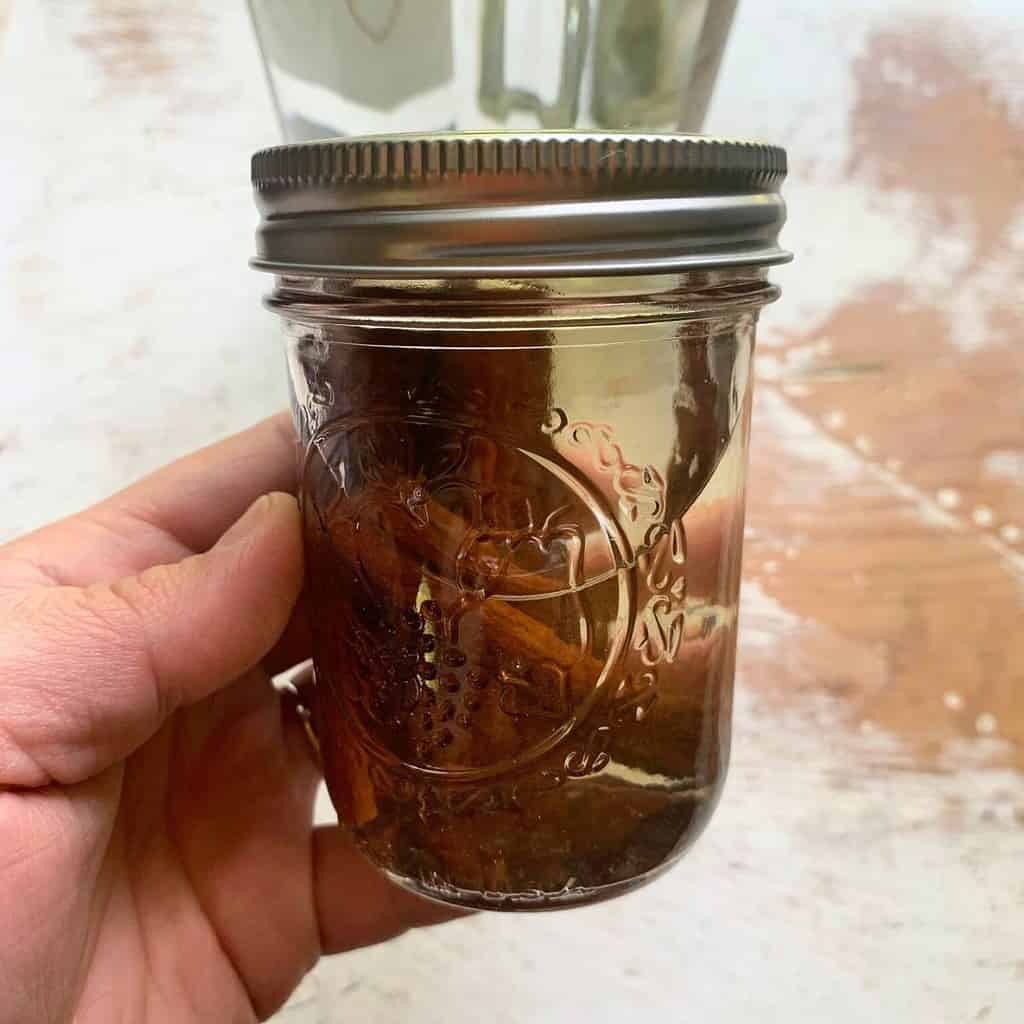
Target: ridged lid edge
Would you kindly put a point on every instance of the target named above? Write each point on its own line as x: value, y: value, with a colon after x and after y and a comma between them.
x: 416, y: 159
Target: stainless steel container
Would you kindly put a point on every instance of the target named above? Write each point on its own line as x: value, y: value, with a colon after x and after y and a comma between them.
x: 346, y: 67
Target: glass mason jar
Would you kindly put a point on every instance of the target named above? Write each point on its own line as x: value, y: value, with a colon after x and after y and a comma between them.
x: 520, y: 373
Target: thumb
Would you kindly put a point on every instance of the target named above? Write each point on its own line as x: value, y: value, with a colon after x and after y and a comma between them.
x: 89, y: 674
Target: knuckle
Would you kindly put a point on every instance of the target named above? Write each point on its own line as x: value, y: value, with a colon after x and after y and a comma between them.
x: 65, y: 654
x: 131, y: 606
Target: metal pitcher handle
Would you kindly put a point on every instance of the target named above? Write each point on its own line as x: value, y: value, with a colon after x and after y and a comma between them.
x: 497, y: 100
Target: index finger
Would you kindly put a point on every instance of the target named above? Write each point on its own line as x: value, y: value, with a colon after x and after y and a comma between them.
x: 177, y: 511
x: 198, y: 497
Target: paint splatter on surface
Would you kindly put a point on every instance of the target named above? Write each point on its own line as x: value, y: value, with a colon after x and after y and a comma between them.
x: 900, y: 467
x: 133, y: 41
x: 916, y: 83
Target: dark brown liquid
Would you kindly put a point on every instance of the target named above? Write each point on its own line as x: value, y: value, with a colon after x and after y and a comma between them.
x: 524, y: 662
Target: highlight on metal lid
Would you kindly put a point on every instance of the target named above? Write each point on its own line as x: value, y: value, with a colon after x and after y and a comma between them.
x: 494, y: 204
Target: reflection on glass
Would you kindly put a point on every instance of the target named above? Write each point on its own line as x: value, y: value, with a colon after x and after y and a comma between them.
x: 345, y: 67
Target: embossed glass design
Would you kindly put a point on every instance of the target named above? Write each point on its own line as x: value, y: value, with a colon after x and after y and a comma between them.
x: 523, y: 514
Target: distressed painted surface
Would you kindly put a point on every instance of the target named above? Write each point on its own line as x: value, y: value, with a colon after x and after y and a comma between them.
x: 866, y: 863
x: 887, y: 480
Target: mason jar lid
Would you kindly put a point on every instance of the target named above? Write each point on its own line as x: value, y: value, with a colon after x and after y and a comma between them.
x: 514, y: 205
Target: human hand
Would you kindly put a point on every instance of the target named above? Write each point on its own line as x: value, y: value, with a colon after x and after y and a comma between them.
x: 157, y: 855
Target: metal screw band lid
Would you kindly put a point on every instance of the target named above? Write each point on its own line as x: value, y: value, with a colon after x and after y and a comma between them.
x: 546, y: 204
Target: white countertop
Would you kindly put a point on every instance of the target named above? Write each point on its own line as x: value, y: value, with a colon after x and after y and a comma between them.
x: 848, y: 875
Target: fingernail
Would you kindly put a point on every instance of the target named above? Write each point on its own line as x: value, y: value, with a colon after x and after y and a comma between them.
x: 249, y: 523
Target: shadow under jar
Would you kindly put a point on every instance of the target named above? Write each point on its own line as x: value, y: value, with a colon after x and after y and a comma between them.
x: 520, y: 374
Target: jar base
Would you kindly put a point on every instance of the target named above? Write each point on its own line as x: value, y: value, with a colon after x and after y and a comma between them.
x: 529, y: 900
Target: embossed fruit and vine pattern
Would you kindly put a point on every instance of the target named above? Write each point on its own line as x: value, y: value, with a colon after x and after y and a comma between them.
x: 498, y: 623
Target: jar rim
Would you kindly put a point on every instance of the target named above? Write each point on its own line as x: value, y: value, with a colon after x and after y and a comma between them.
x: 510, y: 307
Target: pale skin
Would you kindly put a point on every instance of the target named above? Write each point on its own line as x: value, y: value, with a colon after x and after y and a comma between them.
x: 158, y: 860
